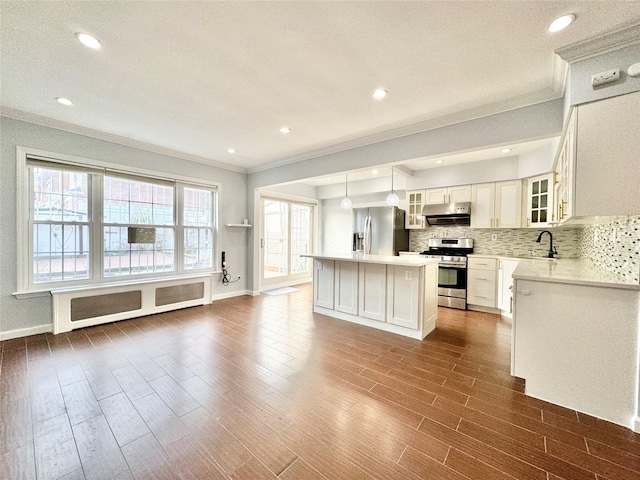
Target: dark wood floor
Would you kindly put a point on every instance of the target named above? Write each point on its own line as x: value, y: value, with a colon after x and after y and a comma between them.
x: 253, y: 388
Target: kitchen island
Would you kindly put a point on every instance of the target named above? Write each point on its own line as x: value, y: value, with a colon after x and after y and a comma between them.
x: 575, y: 338
x: 394, y: 294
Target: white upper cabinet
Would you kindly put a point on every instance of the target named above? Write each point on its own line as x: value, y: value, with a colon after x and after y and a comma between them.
x: 597, y: 167
x: 482, y: 205
x: 607, y: 165
x: 564, y: 173
x: 415, y: 202
x: 540, y: 211
x: 460, y: 193
x: 497, y: 205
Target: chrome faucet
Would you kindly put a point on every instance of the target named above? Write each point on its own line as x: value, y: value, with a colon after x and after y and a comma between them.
x: 552, y: 250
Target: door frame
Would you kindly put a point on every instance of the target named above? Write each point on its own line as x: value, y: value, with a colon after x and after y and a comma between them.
x: 289, y: 280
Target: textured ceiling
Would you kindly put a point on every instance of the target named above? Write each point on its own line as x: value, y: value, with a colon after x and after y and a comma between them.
x: 200, y: 77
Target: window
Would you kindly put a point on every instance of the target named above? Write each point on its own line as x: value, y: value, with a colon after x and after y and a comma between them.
x: 78, y: 220
x: 60, y: 224
x: 133, y: 202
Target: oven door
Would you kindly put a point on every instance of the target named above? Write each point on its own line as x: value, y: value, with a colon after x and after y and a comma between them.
x: 452, y: 280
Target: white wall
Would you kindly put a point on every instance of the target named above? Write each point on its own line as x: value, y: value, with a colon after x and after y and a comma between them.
x: 22, y: 314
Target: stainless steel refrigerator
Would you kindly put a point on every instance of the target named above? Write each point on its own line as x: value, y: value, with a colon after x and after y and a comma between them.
x: 379, y: 231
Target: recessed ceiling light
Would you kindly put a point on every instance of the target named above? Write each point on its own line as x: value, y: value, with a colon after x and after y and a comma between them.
x: 88, y: 41
x: 379, y: 94
x: 439, y: 161
x: 561, y: 23
x: 64, y: 101
x: 505, y: 150
x: 285, y: 130
x: 231, y: 150
x: 374, y: 172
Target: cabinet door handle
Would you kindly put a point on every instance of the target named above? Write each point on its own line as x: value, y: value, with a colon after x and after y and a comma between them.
x: 511, y: 305
x: 497, y: 222
x: 480, y: 296
x: 444, y: 198
x: 528, y: 222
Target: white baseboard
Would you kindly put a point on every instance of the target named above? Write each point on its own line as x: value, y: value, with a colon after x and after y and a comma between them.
x: 290, y: 283
x: 25, y: 332
x: 636, y: 425
x: 238, y: 293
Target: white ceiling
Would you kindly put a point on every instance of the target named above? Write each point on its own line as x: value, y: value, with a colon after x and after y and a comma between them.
x: 196, y: 78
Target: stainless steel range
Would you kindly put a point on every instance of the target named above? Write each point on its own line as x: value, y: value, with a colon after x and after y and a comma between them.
x: 452, y: 270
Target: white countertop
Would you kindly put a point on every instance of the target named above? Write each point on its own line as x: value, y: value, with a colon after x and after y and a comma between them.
x: 405, y: 260
x: 573, y: 271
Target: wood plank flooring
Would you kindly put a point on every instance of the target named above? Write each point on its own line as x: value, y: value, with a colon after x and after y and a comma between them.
x: 261, y: 388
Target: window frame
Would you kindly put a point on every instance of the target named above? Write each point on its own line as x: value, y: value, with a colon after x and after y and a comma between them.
x: 97, y: 170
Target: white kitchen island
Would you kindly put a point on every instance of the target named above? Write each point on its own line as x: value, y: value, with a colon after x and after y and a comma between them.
x: 394, y: 294
x: 575, y: 338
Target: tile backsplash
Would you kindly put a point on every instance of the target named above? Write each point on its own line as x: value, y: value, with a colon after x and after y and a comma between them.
x: 516, y: 242
x: 614, y: 246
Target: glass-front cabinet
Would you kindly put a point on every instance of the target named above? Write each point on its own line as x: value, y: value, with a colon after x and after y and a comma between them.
x: 415, y: 202
x: 540, y: 201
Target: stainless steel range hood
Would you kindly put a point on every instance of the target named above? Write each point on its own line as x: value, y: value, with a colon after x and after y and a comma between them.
x: 448, y: 214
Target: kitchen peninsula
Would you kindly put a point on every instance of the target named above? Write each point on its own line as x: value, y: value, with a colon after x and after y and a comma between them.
x: 575, y: 338
x: 390, y: 293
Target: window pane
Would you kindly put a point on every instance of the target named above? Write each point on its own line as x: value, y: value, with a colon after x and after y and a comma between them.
x: 60, y: 195
x: 60, y: 252
x: 300, y: 238
x: 137, y: 203
x: 198, y: 248
x: 198, y: 207
x: 123, y: 258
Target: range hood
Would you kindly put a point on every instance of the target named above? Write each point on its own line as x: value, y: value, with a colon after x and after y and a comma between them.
x: 448, y: 214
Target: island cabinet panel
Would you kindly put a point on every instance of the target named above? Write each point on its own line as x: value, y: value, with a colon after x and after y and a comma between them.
x: 403, y: 296
x: 323, y: 283
x: 372, y: 291
x: 346, y: 287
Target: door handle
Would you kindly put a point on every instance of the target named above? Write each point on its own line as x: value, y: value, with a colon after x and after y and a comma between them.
x: 511, y: 305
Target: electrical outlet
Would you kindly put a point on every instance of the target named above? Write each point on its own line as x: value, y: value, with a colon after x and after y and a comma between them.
x: 407, y: 274
x: 494, y: 237
x: 614, y: 235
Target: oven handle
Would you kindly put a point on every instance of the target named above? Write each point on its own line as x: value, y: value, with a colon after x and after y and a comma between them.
x: 453, y: 267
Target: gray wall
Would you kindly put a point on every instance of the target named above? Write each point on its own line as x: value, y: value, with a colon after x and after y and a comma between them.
x: 580, y: 89
x: 19, y: 314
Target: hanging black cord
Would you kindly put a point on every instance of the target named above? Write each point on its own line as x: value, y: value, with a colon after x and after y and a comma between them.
x: 226, y: 278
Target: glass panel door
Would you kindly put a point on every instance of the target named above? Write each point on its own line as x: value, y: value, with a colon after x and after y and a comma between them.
x: 276, y: 241
x: 287, y: 233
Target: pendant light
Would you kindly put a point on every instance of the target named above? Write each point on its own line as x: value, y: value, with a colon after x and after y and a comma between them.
x: 346, y: 201
x: 392, y: 199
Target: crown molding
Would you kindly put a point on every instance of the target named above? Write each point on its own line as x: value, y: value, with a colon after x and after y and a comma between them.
x: 601, y: 44
x: 108, y: 137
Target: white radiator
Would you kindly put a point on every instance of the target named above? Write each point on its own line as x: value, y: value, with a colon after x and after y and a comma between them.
x: 87, y: 306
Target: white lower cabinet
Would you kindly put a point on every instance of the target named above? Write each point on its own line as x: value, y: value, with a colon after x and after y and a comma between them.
x: 345, y: 296
x: 403, y: 294
x: 482, y: 282
x: 372, y: 291
x: 323, y: 283
x: 505, y: 286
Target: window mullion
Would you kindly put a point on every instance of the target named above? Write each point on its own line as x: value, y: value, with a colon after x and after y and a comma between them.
x: 97, y: 230
x: 179, y: 228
